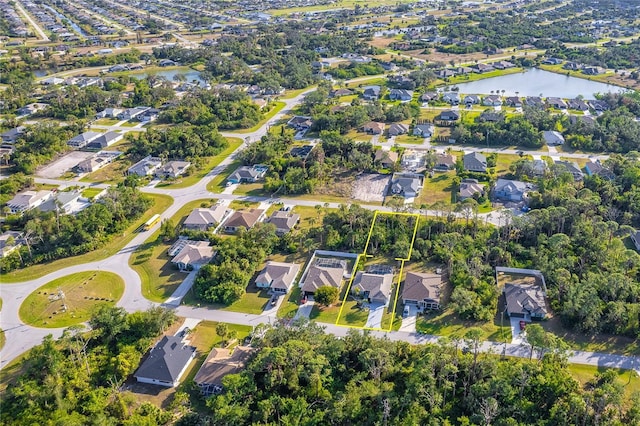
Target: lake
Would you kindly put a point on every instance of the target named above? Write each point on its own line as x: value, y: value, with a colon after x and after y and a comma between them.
x: 534, y: 81
x: 189, y: 74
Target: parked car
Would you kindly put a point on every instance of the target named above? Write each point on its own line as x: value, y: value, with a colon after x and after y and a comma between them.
x: 406, y: 311
x: 523, y: 325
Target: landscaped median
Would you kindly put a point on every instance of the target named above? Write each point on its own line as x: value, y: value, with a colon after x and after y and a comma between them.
x: 69, y: 300
x: 161, y: 203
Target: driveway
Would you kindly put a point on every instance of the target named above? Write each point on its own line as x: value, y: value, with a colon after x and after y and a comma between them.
x: 176, y: 298
x: 516, y: 336
x: 376, y: 310
x: 409, y: 322
x: 305, y: 310
x: 273, y: 309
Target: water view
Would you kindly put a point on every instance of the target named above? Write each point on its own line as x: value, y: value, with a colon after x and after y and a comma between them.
x: 189, y: 75
x: 534, y: 82
x: 72, y: 24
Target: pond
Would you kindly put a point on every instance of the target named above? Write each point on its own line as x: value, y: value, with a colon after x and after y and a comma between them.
x: 534, y: 82
x: 189, y: 75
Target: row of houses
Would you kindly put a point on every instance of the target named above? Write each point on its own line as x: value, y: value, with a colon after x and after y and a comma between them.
x: 495, y: 100
x: 66, y: 202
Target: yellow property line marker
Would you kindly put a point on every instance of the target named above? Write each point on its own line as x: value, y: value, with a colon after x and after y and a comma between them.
x: 365, y: 255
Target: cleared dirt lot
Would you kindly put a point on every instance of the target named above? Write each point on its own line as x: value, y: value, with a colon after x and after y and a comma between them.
x: 370, y: 187
x: 58, y: 167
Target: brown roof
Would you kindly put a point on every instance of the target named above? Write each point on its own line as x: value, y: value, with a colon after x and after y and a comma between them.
x: 386, y: 156
x: 319, y: 276
x: 221, y: 362
x: 374, y: 126
x: 419, y: 286
x: 245, y: 218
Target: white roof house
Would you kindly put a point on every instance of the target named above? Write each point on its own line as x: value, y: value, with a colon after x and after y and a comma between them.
x: 27, y: 200
x: 145, y: 167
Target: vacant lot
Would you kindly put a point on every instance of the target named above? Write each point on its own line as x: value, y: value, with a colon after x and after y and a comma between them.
x: 58, y: 167
x: 69, y: 300
x: 370, y: 187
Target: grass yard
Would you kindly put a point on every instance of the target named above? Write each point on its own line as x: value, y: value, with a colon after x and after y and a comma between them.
x: 276, y: 108
x: 239, y: 204
x: 310, y: 216
x: 218, y: 183
x: 290, y: 305
x: 628, y: 379
x: 446, y: 323
x: 209, y: 164
x: 389, y: 315
x: 360, y: 136
x: 130, y: 124
x: 474, y: 77
x: 161, y: 203
x: 253, y: 302
x: 83, y: 291
x: 437, y: 188
x: 158, y: 276
x: 352, y: 315
x: 293, y: 93
x: 106, y: 122
x: 252, y: 189
x: 91, y: 192
x: 111, y: 173
x: 403, y: 139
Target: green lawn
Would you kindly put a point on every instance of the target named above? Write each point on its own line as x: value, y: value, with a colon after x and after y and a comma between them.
x: 3, y: 339
x: 388, y: 315
x: 130, y: 124
x: 83, y: 291
x: 204, y: 336
x: 106, y: 122
x: 161, y: 203
x: 91, y: 192
x: 446, y: 323
x: 239, y: 204
x: 209, y: 164
x: 218, y: 183
x: 276, y: 108
x: 250, y: 189
x: 402, y: 139
x: 437, y: 188
x: 158, y: 276
x: 352, y: 315
x: 290, y: 305
x: 253, y: 302
x: 628, y: 379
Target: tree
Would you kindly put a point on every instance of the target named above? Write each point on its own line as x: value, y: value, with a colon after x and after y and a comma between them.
x: 326, y: 295
x: 222, y: 329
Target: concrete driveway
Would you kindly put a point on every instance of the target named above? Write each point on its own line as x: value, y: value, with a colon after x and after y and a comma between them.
x: 409, y: 322
x: 305, y: 310
x: 516, y: 335
x: 376, y: 310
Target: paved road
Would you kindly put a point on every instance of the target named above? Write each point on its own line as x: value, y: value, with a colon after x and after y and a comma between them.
x: 32, y: 22
x: 21, y: 337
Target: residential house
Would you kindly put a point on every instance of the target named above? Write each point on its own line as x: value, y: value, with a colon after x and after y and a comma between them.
x: 203, y: 219
x: 412, y: 159
x: 425, y: 130
x: 406, y: 185
x: 341, y: 92
x: 131, y: 113
x: 277, y: 276
x: 552, y: 61
x: 67, y: 202
x: 301, y: 151
x: 422, y: 290
x: 445, y: 161
x: 166, y: 63
x: 449, y: 115
x: 9, y: 242
x: 373, y: 128
x: 386, y: 159
x: 191, y: 254
x: 557, y: 103
x: 595, y: 168
x: 463, y: 70
x: 243, y: 219
x: 151, y: 114
x: 471, y: 100
x: 27, y: 200
x: 429, y: 96
x: 145, y: 167
x: 81, y: 140
x: 635, y: 238
x: 104, y: 140
x: 534, y: 101
x: 300, y: 123
x: 491, y: 116
x: 593, y: 70
x: 512, y: 190
x: 31, y: 108
x: 551, y: 137
x: 219, y: 363
x: 446, y: 73
x: 166, y: 363
x: 492, y: 100
x: 99, y: 160
x: 577, y: 104
x: 284, y: 221
x: 10, y: 137
x: 400, y: 95
x: 109, y: 113
x: 248, y: 174
x: 396, y: 129
x: 598, y: 105
x: 475, y: 162
x: 570, y: 167
x: 572, y: 66
x: 324, y: 272
x: 513, y: 101
x: 172, y: 169
x: 468, y: 188
x: 526, y: 301
x: 502, y: 65
x: 452, y: 98
x: 482, y: 68
x: 539, y: 168
x: 373, y: 286
x: 371, y: 93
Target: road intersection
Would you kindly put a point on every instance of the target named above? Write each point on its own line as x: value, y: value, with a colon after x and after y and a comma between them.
x: 21, y: 337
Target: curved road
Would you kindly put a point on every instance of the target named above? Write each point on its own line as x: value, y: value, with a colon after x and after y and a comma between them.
x: 21, y: 337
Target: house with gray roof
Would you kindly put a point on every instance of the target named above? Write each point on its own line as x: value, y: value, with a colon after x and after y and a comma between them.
x: 9, y: 242
x: 475, y: 162
x: 375, y: 287
x: 400, y: 95
x: 469, y: 188
x: 277, y: 276
x: 635, y: 237
x: 166, y: 363
x: 323, y: 273
x: 595, y: 168
x: 11, y: 136
x: 422, y: 290
x: 66, y: 202
x: 396, y: 129
x: 569, y: 167
x: 525, y: 300
x: 27, y: 200
x: 423, y: 130
x: 284, y: 221
x: 452, y: 98
x: 407, y: 185
x: 248, y: 174
x: 512, y: 190
x: 471, y: 100
x: 203, y: 219
x: 81, y: 140
x: 219, y: 363
x: 551, y: 137
x: 193, y: 255
x: 449, y: 115
x: 105, y: 140
x: 145, y: 167
x: 172, y: 169
x: 371, y: 93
